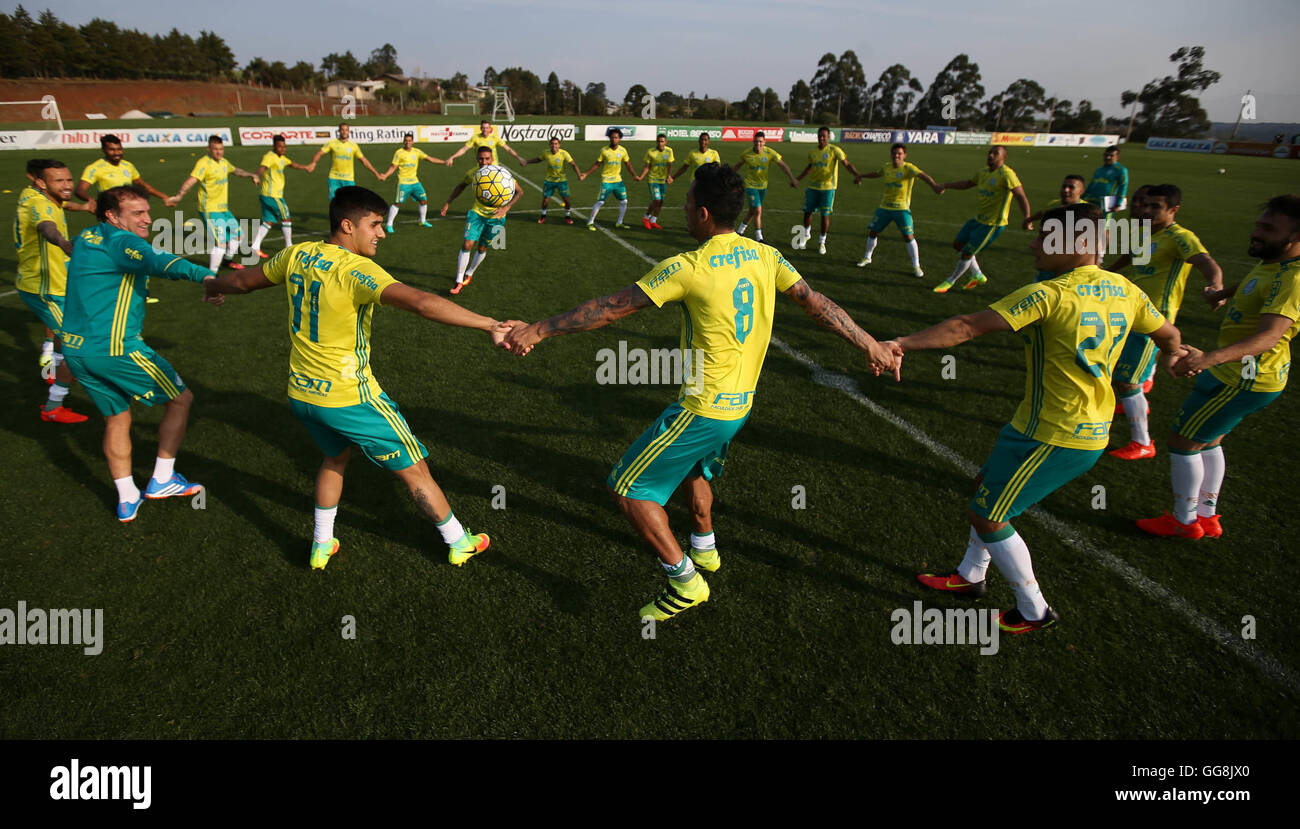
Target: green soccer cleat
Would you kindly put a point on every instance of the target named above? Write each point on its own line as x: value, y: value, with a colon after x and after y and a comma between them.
x: 426, y: 224
x: 706, y: 559
x: 468, y: 547
x: 389, y: 229
x: 591, y: 226
x: 943, y: 287
x: 975, y: 280
x: 321, y: 552
x: 675, y: 598
x: 620, y: 226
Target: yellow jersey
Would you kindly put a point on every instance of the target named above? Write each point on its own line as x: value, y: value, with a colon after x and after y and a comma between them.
x: 104, y: 175
x: 489, y: 141
x: 408, y: 164
x: 660, y: 162
x: 485, y: 210
x: 1267, y: 289
x: 42, y: 266
x: 611, y: 160
x: 698, y: 159
x: 898, y: 185
x: 755, y: 166
x: 273, y: 180
x: 213, y: 177
x: 343, y: 156
x: 825, y: 172
x: 332, y: 297
x: 1074, y: 326
x: 1164, y: 276
x: 727, y: 289
x: 993, y: 192
x: 555, y: 162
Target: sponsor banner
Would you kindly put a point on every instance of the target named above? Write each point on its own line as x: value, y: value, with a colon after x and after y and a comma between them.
x: 803, y: 135
x: 680, y: 133
x: 1014, y: 139
x: 1075, y: 139
x: 445, y: 133
x: 1257, y: 148
x: 631, y: 132
x: 83, y: 138
x: 747, y: 133
x: 918, y: 137
x: 1186, y: 145
x: 537, y: 132
x: 864, y: 136
x: 942, y: 129
x: 968, y: 138
x: 360, y: 133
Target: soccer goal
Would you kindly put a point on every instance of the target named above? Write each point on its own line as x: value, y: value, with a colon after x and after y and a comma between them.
x: 273, y: 110
x: 460, y: 109
x: 49, y: 108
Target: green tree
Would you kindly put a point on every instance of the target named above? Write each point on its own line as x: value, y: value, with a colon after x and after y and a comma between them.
x: 840, y: 87
x: 890, y: 98
x: 1168, y: 105
x: 957, y: 84
x: 553, y: 92
x: 345, y: 66
x: 800, y: 102
x: 1016, y: 108
x: 633, y: 100
x: 383, y: 61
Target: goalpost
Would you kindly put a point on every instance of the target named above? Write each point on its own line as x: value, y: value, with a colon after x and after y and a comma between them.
x: 460, y: 109
x: 49, y: 108
x: 283, y: 109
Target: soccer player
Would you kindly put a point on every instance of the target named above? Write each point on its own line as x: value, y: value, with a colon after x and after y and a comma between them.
x: 1245, y: 372
x: 756, y: 162
x: 211, y: 173
x: 995, y: 188
x: 1071, y: 193
x: 824, y: 162
x: 557, y: 180
x: 896, y: 204
x: 482, y: 223
x: 485, y: 138
x: 1070, y: 325
x: 1172, y: 252
x: 406, y: 161
x: 333, y: 287
x: 112, y: 171
x: 41, y: 236
x: 344, y: 153
x: 274, y: 207
x: 696, y: 159
x: 658, y: 162
x: 1109, y: 186
x: 108, y: 280
x: 611, y: 161
x: 727, y: 289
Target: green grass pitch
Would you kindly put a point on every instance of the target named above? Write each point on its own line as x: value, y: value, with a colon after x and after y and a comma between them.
x: 215, y: 627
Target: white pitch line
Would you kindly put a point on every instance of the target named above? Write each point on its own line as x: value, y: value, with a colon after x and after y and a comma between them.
x: 1127, y: 572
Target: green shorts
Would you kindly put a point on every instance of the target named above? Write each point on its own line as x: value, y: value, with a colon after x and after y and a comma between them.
x: 818, y: 201
x: 336, y: 183
x: 658, y: 190
x: 975, y: 236
x: 223, y: 226
x: 482, y: 229
x: 1214, y: 409
x: 677, y: 445
x: 754, y: 196
x: 551, y: 188
x: 113, y: 382
x: 885, y: 217
x: 617, y: 190
x: 416, y: 191
x: 1021, y: 471
x: 1137, y: 362
x: 274, y: 211
x: 377, y: 427
x: 49, y: 308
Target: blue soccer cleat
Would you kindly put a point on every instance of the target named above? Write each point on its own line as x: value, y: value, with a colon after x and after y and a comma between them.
x: 126, y: 510
x: 176, y: 487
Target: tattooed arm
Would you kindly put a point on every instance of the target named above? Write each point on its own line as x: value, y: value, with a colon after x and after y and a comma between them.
x: 834, y: 318
x: 594, y: 313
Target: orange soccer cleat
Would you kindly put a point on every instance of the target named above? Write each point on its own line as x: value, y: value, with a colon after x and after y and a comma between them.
x: 1166, y: 526
x: 1134, y: 451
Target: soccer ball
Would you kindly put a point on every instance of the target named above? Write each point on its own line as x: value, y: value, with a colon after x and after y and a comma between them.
x: 494, y: 186
x: 1222, y: 171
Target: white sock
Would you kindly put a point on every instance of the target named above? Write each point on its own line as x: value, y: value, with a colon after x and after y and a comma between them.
x: 392, y: 214
x: 1187, y: 472
x: 822, y: 239
x: 975, y: 565
x: 58, y: 391
x: 622, y: 210
x: 478, y: 258
x: 914, y: 253
x: 424, y: 211
x: 595, y: 208
x: 214, y: 259
x: 232, y: 247
x: 462, y: 262
x: 262, y: 230
x: 703, y: 542
x: 287, y: 227
x: 741, y: 228
x: 57, y: 359
x: 567, y: 212
x: 1207, y: 503
x: 47, y: 347
x: 543, y: 212
x: 1011, y: 554
x: 975, y: 265
x: 162, y: 469
x: 871, y: 246
x: 324, y: 526
x: 807, y: 233
x: 127, y: 492
x: 1135, y: 409
x: 758, y: 234
x: 962, y: 265
x: 451, y: 529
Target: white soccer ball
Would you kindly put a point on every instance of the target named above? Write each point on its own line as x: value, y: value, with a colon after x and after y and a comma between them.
x: 494, y: 186
x: 1222, y: 171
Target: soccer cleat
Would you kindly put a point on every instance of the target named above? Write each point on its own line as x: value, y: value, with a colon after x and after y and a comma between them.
x: 426, y: 224
x: 917, y: 272
x: 620, y: 226
x: 126, y: 511
x: 262, y: 255
x: 654, y: 225
x: 1166, y: 526
x: 470, y: 546
x: 455, y: 289
x: 706, y: 559
x: 1134, y: 451
x: 864, y: 261
x: 542, y: 220
x: 645, y: 222
x: 952, y: 583
x: 49, y: 381
x: 1210, y: 525
x: 153, y: 300
x: 46, y: 358
x: 974, y: 281
x: 175, y: 487
x: 1011, y: 621
x: 821, y: 248
x: 321, y: 552
x: 1148, y: 385
x: 943, y: 287
x: 389, y: 229
x: 62, y: 414
x: 591, y: 226
x: 675, y: 598
x: 568, y: 220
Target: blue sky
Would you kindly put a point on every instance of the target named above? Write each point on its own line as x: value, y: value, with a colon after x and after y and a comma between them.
x: 725, y: 47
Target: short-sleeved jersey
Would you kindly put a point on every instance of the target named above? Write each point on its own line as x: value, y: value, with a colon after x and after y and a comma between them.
x: 492, y: 142
x: 1267, y: 289
x: 273, y: 180
x: 1164, y: 276
x: 698, y: 159
x: 479, y: 207
x: 108, y: 284
x: 104, y: 175
x: 332, y: 296
x: 660, y: 162
x: 343, y: 156
x: 1107, y: 180
x: 213, y: 177
x: 555, y: 162
x: 755, y: 165
x: 727, y: 289
x: 898, y: 185
x: 1074, y: 327
x: 408, y: 164
x: 611, y: 160
x: 42, y: 266
x: 825, y: 164
x: 993, y: 192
